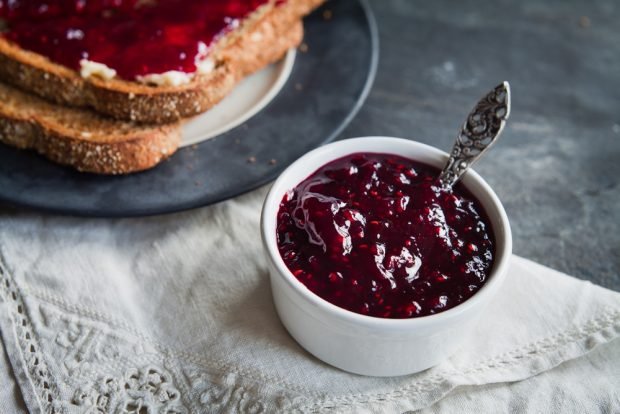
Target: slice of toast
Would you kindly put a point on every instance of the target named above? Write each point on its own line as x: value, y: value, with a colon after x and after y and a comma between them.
x: 259, y: 40
x: 89, y: 141
x: 82, y: 138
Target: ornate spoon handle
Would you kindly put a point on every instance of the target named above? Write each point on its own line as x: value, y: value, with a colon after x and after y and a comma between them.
x: 482, y: 128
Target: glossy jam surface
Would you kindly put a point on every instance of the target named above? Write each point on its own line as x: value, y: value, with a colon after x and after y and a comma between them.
x: 134, y: 37
x: 372, y: 233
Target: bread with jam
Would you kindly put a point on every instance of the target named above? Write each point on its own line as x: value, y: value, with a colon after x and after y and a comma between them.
x: 174, y: 59
x: 84, y: 118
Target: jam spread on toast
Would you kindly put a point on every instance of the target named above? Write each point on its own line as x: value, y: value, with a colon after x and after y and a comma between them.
x: 133, y: 37
x: 374, y: 234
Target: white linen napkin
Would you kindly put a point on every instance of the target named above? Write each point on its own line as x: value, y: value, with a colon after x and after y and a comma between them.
x: 174, y: 314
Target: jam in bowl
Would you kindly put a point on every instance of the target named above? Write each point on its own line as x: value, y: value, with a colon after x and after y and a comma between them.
x: 376, y: 234
x: 375, y: 268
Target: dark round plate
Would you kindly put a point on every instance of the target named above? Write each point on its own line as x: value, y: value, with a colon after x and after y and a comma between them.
x: 326, y: 88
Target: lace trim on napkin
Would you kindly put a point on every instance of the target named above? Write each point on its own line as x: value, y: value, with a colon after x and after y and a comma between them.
x: 33, y: 359
x: 104, y: 366
x: 99, y: 378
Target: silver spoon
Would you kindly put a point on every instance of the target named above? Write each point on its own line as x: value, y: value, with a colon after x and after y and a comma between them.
x: 483, y: 126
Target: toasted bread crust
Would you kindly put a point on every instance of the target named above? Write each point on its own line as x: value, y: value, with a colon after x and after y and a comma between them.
x: 81, y: 138
x: 139, y: 153
x: 278, y: 29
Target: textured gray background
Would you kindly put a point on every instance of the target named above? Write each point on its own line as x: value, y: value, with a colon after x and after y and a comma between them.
x: 557, y: 165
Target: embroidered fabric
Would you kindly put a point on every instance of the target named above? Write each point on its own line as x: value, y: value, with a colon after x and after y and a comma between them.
x: 33, y: 359
x: 107, y: 372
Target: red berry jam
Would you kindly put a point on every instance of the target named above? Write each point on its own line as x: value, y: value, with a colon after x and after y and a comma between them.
x: 134, y: 37
x: 374, y: 234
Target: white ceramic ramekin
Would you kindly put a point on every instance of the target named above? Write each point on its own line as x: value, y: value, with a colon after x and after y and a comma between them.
x: 364, y: 344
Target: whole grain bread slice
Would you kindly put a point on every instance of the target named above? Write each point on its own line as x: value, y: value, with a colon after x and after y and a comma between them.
x: 89, y: 141
x: 82, y: 138
x: 261, y: 39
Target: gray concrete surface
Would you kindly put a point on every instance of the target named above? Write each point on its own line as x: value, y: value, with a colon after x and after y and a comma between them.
x: 557, y: 166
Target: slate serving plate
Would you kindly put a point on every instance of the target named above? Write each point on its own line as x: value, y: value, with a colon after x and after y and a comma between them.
x: 326, y: 88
